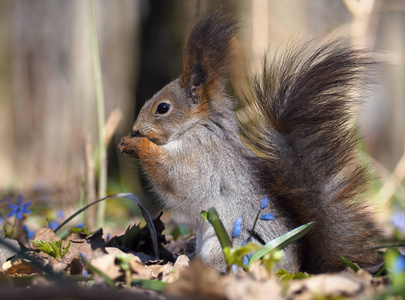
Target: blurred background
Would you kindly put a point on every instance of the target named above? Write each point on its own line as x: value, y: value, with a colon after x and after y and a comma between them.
x: 49, y: 132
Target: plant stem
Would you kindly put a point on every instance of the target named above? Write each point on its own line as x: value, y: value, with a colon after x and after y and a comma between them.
x: 102, y: 176
x: 254, y: 225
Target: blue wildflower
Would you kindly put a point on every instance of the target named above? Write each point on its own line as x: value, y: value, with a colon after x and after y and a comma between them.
x: 234, y: 268
x: 245, y: 260
x: 80, y: 225
x: 264, y: 203
x: 30, y: 233
x: 267, y: 217
x: 61, y: 214
x: 248, y: 240
x: 237, y: 227
x: 53, y: 225
x: 398, y: 221
x: 20, y: 208
x: 399, y: 264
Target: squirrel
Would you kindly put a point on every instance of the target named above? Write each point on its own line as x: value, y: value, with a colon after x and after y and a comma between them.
x: 298, y: 149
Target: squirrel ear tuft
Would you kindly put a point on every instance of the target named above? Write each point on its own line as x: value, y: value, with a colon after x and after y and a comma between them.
x: 208, y: 55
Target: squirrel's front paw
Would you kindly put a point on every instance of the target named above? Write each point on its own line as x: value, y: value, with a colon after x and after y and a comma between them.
x: 128, y: 145
x: 135, y: 147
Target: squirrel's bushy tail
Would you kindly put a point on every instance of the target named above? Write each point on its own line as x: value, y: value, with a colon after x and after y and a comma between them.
x: 302, y: 109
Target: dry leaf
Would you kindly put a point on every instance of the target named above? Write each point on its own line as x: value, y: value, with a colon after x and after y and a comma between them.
x: 5, y: 252
x: 113, y: 250
x: 142, y: 271
x: 44, y: 234
x: 182, y: 262
x: 332, y: 285
x: 21, y: 267
x: 246, y: 287
x: 197, y: 282
x: 106, y: 264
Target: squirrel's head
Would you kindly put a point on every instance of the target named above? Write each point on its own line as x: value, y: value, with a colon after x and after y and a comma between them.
x: 199, y: 90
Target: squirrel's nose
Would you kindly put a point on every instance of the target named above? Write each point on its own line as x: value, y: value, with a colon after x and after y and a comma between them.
x: 135, y: 133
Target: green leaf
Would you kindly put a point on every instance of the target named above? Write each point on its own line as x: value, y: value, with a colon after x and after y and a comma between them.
x: 235, y: 256
x: 66, y: 249
x: 282, y: 241
x: 248, y: 248
x: 47, y: 247
x: 350, y: 264
x: 284, y: 275
x: 156, y: 285
x: 122, y: 260
x: 52, y: 248
x: 83, y: 230
x: 204, y: 214
x: 213, y: 218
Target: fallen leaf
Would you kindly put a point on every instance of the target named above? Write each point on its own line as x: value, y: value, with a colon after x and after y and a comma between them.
x: 106, y: 264
x: 332, y: 285
x: 198, y: 281
x: 182, y: 262
x: 21, y: 267
x: 246, y: 287
x: 141, y: 271
x: 113, y: 250
x: 44, y: 234
x: 5, y: 252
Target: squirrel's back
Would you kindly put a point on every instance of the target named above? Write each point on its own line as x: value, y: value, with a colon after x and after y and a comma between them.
x: 303, y: 108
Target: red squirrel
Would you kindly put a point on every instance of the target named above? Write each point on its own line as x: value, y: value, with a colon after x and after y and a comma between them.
x: 297, y: 149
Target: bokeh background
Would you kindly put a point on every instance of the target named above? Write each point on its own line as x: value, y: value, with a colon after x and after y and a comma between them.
x: 49, y: 140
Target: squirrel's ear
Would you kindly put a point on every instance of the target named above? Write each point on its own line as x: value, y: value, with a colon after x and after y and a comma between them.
x: 208, y: 55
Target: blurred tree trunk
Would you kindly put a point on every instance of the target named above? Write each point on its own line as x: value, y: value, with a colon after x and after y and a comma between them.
x: 49, y: 100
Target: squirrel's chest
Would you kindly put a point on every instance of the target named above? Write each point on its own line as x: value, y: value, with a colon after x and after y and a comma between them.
x: 202, y: 175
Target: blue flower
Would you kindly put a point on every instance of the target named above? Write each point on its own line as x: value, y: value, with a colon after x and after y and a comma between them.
x: 30, y: 233
x: 61, y: 214
x: 80, y: 225
x: 234, y: 268
x: 264, y: 203
x: 20, y: 208
x: 237, y: 227
x: 398, y: 221
x: 267, y: 217
x: 399, y: 264
x: 248, y: 240
x: 53, y: 225
x: 245, y: 260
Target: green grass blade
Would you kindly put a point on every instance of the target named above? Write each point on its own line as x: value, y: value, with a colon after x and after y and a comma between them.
x: 155, y: 285
x: 350, y: 264
x: 98, y: 81
x: 282, y: 241
x: 219, y: 228
x: 106, y: 279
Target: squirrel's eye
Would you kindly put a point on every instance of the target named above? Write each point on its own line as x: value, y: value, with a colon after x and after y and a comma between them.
x: 163, y: 108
